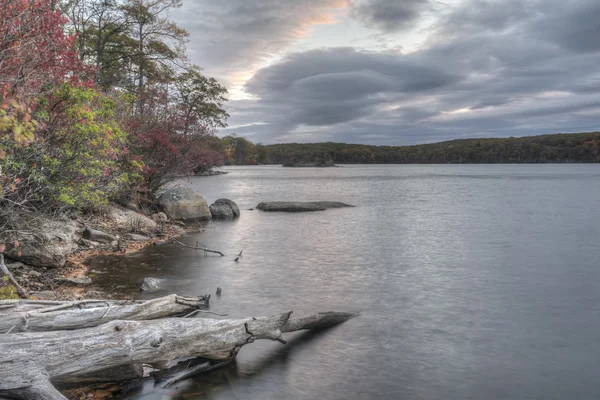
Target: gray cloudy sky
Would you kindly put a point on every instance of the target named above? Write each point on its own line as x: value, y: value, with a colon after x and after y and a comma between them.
x: 400, y: 71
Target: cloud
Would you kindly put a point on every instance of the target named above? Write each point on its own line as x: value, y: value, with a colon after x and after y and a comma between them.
x: 572, y: 24
x: 389, y: 15
x: 487, y: 68
x: 231, y: 37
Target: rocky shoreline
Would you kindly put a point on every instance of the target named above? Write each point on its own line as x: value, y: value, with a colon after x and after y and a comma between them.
x: 49, y: 262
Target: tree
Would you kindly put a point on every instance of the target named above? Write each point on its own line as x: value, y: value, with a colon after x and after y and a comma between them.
x: 200, y: 100
x: 159, y: 41
x: 158, y: 141
x: 34, y: 50
x: 103, y: 38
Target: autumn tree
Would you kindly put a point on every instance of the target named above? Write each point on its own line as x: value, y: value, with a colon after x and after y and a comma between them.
x: 35, y: 52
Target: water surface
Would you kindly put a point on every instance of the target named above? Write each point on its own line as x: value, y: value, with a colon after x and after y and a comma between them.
x: 473, y: 282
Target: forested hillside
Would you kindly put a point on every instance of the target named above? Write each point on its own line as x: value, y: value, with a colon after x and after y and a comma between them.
x: 558, y: 148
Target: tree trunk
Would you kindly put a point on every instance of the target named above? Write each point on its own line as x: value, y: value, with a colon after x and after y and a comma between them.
x: 30, y: 361
x: 34, y: 316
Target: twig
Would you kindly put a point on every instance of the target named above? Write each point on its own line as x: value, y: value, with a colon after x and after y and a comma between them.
x: 107, y: 310
x: 203, y: 311
x: 70, y: 305
x: 51, y: 287
x: 204, y: 367
x: 205, y: 249
x: 10, y: 330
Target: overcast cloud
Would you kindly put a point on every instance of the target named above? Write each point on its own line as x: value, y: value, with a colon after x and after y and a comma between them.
x: 482, y: 68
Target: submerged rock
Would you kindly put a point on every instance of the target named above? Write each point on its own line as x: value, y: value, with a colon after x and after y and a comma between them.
x: 184, y: 204
x: 224, y: 209
x: 151, y: 285
x: 299, y: 206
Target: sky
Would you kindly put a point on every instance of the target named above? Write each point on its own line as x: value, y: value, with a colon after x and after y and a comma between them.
x: 399, y: 72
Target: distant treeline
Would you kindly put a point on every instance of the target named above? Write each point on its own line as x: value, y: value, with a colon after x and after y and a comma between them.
x: 557, y: 148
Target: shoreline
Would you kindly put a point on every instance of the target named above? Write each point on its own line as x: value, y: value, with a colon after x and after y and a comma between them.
x: 71, y: 281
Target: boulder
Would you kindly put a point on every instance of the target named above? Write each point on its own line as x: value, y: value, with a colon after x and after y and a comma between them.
x: 151, y: 285
x: 224, y: 209
x: 184, y: 204
x: 128, y: 218
x: 44, y: 242
x: 97, y: 236
x: 298, y: 206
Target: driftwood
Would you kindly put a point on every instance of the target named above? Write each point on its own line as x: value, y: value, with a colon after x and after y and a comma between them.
x: 5, y: 272
x: 199, y: 246
x: 31, y: 363
x: 34, y: 316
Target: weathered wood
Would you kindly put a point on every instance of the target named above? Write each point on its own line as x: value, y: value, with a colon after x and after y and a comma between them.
x: 66, y: 356
x: 89, y: 313
x: 199, y: 246
x: 21, y: 291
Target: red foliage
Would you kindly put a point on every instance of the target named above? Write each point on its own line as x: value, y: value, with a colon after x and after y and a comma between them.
x: 34, y: 49
x: 157, y: 140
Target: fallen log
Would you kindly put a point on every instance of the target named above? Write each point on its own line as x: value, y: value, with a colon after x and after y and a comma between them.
x: 32, y: 363
x: 34, y: 316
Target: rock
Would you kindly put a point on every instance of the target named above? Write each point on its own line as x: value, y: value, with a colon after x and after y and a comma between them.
x: 80, y: 281
x: 97, y: 236
x: 132, y: 206
x: 177, y: 228
x: 210, y: 173
x: 151, y: 284
x: 184, y: 204
x: 44, y: 242
x: 46, y: 295
x: 297, y: 206
x: 128, y: 218
x: 32, y: 272
x: 159, y: 217
x: 88, y: 243
x: 138, y: 238
x: 318, y: 164
x: 224, y: 209
x: 15, y: 266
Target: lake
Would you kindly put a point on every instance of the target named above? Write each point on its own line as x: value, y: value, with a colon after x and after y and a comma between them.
x: 472, y: 282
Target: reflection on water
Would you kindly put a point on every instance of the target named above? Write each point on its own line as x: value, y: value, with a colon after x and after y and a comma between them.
x: 472, y: 282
